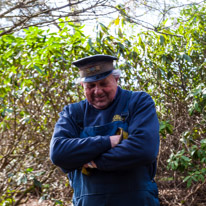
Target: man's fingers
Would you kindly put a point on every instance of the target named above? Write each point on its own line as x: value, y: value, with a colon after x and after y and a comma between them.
x: 90, y: 165
x: 93, y: 164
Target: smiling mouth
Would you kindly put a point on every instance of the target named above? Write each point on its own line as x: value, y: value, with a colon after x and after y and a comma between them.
x: 99, y: 98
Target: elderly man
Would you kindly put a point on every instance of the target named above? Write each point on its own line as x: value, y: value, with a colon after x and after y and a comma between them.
x: 109, y: 142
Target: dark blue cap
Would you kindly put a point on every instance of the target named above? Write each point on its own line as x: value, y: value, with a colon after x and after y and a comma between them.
x: 96, y: 67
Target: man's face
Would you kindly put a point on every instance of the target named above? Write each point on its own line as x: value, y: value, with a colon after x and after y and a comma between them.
x: 101, y: 93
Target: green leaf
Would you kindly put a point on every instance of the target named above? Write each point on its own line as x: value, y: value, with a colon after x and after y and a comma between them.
x: 203, y: 141
x: 162, y: 40
x: 169, y: 75
x: 104, y: 28
x: 37, y: 183
x: 186, y: 57
x: 186, y: 178
x: 57, y: 202
x: 201, y: 177
x: 38, y: 69
x: 164, y: 58
x: 159, y: 74
x: 29, y: 170
x: 189, y: 182
x: 116, y: 22
x: 141, y: 43
x: 186, y: 159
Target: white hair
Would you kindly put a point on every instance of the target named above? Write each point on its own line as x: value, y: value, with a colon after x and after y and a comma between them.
x: 116, y: 73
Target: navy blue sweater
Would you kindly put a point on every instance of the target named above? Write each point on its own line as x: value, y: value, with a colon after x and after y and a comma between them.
x: 69, y: 151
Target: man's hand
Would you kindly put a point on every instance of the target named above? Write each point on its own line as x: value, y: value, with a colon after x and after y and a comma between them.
x: 115, y: 140
x: 90, y: 165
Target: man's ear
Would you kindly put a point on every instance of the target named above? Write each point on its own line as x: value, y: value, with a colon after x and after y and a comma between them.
x: 116, y: 78
x: 82, y: 84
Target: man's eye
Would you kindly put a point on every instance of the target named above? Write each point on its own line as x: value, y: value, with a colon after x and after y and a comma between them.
x: 90, y: 86
x: 103, y: 84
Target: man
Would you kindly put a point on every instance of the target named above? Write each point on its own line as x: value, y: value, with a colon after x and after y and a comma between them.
x: 109, y: 142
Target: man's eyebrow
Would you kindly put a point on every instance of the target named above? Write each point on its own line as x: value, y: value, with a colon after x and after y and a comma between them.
x: 90, y: 84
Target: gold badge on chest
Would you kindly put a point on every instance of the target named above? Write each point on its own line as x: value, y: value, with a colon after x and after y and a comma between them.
x: 117, y: 118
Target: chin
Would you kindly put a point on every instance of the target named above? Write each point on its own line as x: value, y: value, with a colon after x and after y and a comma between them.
x: 101, y: 106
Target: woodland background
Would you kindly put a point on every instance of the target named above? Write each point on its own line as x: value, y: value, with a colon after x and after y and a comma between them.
x: 161, y: 49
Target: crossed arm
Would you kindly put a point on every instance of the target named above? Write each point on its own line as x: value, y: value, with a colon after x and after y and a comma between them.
x: 105, y: 152
x: 114, y: 140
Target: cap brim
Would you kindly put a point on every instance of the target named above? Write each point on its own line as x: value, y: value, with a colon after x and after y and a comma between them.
x: 96, y: 77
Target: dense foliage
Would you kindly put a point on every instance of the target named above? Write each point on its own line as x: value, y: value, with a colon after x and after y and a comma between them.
x: 37, y: 80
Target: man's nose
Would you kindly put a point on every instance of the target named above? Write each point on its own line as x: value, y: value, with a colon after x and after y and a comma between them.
x: 98, y: 90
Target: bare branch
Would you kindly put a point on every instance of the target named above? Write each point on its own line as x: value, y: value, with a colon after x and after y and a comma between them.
x: 25, y: 14
x: 18, y: 14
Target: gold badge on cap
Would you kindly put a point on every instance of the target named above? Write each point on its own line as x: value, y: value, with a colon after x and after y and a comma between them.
x: 93, y: 69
